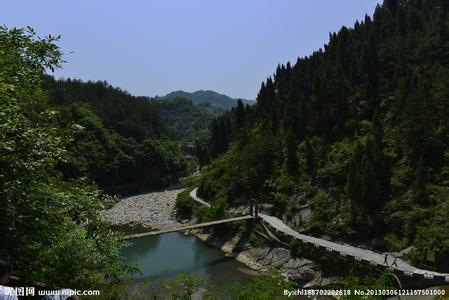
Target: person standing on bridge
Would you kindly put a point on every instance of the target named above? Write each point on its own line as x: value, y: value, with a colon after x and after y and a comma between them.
x: 386, y: 259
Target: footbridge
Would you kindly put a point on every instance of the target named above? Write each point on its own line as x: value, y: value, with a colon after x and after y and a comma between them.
x: 187, y: 227
x: 358, y: 254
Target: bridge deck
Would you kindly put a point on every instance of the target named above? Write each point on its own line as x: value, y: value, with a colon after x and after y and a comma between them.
x: 360, y: 254
x: 188, y: 227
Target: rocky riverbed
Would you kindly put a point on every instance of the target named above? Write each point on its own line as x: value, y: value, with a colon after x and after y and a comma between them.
x: 154, y: 210
x: 267, y: 258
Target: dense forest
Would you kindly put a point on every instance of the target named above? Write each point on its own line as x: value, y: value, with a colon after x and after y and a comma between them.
x: 186, y: 121
x: 357, y: 131
x: 121, y: 142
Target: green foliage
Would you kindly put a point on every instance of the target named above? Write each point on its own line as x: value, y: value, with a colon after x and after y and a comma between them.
x: 121, y: 141
x: 295, y: 248
x: 323, y: 213
x: 280, y: 204
x: 332, y: 171
x: 242, y: 171
x: 267, y: 286
x: 431, y: 231
x: 210, y: 99
x: 384, y: 281
x: 182, y: 286
x: 215, y: 212
x: 394, y: 243
x: 240, y: 114
x: 51, y: 229
x: 310, y: 158
x: 280, y: 182
x: 419, y: 184
x: 366, y: 174
x: 290, y: 153
x: 184, y: 205
x: 186, y: 121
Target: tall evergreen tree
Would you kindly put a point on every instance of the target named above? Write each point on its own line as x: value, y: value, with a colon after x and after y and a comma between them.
x: 310, y: 159
x: 419, y: 184
x: 240, y: 114
x: 370, y: 187
x: 291, y: 149
x: 354, y: 186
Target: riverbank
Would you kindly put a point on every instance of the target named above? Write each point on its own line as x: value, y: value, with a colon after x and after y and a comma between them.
x: 266, y: 258
x: 155, y: 210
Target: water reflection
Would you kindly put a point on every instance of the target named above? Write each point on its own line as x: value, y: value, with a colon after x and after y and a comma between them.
x: 167, y: 255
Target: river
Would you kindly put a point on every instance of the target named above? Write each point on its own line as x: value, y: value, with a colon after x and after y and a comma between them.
x: 167, y: 255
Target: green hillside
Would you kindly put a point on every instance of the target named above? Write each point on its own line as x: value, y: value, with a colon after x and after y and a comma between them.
x: 357, y: 131
x: 212, y: 98
x: 122, y: 143
x: 185, y: 120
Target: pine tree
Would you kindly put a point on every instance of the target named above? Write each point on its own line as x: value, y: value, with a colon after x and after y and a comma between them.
x: 225, y: 130
x: 419, y: 184
x: 291, y: 158
x: 377, y: 129
x: 219, y: 136
x: 392, y: 6
x: 310, y: 159
x: 274, y: 119
x: 198, y: 152
x: 202, y: 154
x: 354, y: 176
x: 371, y: 80
x: 373, y: 154
x: 383, y: 166
x: 370, y: 187
x: 240, y: 114
x: 353, y: 183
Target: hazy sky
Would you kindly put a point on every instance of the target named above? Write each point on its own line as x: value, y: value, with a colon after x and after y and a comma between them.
x: 154, y: 47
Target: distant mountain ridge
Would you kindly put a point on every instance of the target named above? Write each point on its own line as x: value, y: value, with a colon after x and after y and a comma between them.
x: 185, y: 120
x: 214, y: 99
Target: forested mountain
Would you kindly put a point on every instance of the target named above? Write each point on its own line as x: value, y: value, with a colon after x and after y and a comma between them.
x: 212, y: 98
x: 357, y: 131
x: 122, y: 143
x: 186, y: 121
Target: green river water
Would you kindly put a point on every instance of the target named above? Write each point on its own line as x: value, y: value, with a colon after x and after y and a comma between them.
x: 167, y: 255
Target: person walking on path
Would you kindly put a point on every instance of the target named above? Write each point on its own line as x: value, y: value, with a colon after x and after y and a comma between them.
x: 395, y: 264
x: 386, y: 259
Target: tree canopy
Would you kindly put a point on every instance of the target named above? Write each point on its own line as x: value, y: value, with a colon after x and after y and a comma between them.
x: 363, y: 120
x: 122, y: 142
x: 50, y: 228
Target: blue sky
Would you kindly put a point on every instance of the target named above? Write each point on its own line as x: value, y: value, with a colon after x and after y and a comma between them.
x: 154, y: 47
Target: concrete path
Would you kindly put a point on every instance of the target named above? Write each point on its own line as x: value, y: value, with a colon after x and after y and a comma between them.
x: 197, y: 199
